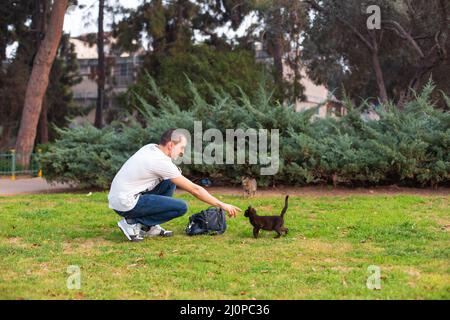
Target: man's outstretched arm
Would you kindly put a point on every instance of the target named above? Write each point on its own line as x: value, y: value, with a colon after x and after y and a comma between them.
x: 203, y: 195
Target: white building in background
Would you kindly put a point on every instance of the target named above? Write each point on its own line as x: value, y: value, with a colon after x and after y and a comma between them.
x: 123, y: 69
x: 315, y: 95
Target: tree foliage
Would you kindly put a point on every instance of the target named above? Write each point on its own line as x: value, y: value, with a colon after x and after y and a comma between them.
x: 16, y: 71
x: 205, y: 65
x: 411, y: 45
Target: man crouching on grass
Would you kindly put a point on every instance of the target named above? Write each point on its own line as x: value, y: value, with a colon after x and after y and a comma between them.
x: 142, y: 190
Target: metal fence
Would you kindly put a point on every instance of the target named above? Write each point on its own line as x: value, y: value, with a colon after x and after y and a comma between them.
x: 9, y: 166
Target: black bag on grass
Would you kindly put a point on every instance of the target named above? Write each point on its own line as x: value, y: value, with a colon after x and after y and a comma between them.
x: 211, y: 221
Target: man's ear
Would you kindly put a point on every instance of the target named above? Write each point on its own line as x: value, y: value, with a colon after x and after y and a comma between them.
x: 170, y: 146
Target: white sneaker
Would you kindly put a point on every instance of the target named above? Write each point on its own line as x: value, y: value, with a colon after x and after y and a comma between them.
x: 155, y: 231
x: 131, y: 231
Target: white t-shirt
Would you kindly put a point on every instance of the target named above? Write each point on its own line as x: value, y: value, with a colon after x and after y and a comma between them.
x: 143, y: 171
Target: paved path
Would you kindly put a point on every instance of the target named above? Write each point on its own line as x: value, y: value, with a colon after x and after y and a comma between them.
x: 29, y: 185
x: 39, y: 185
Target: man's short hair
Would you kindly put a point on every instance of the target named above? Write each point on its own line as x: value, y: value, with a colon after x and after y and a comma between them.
x: 170, y: 135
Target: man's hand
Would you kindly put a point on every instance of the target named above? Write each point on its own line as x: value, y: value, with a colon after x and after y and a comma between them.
x: 232, y: 210
x: 200, y: 193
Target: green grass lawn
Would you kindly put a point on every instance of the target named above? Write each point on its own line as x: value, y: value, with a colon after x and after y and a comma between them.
x: 331, y: 244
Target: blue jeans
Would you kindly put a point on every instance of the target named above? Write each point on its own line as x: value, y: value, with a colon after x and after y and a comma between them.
x: 156, y: 206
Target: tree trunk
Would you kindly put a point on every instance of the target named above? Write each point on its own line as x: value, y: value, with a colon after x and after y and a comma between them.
x: 379, y: 75
x: 101, y: 68
x: 3, y: 45
x: 6, y: 136
x: 42, y: 28
x: 278, y: 49
x: 43, y: 123
x: 38, y: 83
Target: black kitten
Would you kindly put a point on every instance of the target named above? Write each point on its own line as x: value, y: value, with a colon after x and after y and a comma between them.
x: 269, y: 223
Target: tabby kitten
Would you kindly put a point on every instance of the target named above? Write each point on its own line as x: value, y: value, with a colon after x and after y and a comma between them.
x: 249, y: 185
